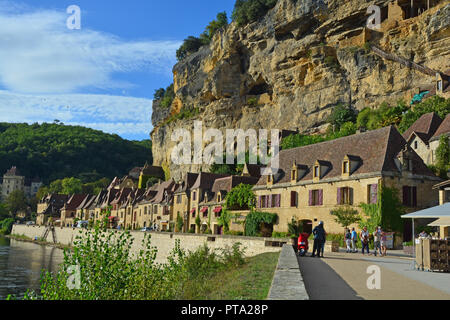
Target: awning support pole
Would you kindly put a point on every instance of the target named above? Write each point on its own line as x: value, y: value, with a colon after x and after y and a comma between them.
x: 414, y: 245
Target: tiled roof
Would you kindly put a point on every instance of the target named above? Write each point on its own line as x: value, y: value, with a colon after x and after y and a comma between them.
x: 425, y: 127
x: 254, y: 170
x: 228, y: 183
x: 377, y: 150
x: 206, y: 180
x: 162, y: 188
x: 189, y: 180
x: 12, y: 172
x: 444, y: 128
x: 74, y: 201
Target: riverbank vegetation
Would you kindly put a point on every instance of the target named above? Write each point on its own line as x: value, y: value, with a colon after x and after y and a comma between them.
x: 108, y: 269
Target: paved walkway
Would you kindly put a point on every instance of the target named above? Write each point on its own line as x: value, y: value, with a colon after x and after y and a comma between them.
x: 344, y: 276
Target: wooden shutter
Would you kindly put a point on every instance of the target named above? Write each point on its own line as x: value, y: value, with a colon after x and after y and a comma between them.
x: 269, y: 203
x: 310, y: 198
x: 320, y: 197
x: 414, y: 196
x: 259, y: 202
x: 278, y: 200
x: 374, y: 193
x: 405, y: 195
x: 339, y: 196
x: 293, y: 199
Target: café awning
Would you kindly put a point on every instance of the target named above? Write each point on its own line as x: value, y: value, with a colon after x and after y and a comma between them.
x: 442, y: 222
x: 441, y: 211
x: 217, y: 209
x: 193, y: 211
x: 204, y: 209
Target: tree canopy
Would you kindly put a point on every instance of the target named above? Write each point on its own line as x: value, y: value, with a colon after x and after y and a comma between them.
x: 56, y: 151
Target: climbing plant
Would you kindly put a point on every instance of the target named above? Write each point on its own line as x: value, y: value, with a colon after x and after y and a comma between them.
x: 255, y: 220
x: 241, y: 197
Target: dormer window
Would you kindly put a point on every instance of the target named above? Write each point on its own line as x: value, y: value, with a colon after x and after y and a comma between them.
x: 317, y: 172
x: 270, y: 179
x: 219, y: 197
x: 346, y: 167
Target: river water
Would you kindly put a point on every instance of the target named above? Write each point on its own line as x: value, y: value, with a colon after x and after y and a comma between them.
x: 21, y: 264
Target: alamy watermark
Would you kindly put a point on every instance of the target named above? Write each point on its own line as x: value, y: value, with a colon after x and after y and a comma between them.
x: 208, y: 147
x: 374, y: 281
x: 74, y: 280
x: 74, y: 20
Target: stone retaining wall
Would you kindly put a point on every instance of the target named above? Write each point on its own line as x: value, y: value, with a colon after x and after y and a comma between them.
x: 288, y: 281
x: 165, y: 242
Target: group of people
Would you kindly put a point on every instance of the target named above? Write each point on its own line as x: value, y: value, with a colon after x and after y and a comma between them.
x: 379, y: 238
x: 379, y: 241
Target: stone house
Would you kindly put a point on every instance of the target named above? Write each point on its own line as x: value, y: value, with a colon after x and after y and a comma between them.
x: 84, y: 211
x: 118, y: 207
x: 213, y: 201
x: 12, y: 181
x: 144, y: 207
x: 423, y: 136
x: 419, y: 134
x: 202, y: 186
x: 161, y: 205
x: 315, y: 179
x: 69, y: 210
x: 444, y: 129
x: 182, y: 198
x: 50, y: 207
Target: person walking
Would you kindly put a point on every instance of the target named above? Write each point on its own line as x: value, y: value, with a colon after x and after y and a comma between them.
x: 319, y: 239
x: 377, y: 241
x: 348, y: 240
x: 354, y: 238
x: 364, y: 236
x: 383, y: 243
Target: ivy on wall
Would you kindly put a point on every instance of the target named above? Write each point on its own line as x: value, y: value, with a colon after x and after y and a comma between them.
x: 255, y: 220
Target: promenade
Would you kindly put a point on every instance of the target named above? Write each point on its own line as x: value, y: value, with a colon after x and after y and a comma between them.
x: 343, y: 276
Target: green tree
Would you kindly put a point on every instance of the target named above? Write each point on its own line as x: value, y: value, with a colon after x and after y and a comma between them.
x: 247, y: 11
x: 224, y: 220
x: 3, y: 212
x: 443, y: 156
x: 159, y: 94
x: 241, y: 197
x: 71, y: 186
x: 340, y: 115
x: 16, y: 202
x: 220, y: 22
x: 180, y: 223
x: 345, y: 216
x: 190, y: 45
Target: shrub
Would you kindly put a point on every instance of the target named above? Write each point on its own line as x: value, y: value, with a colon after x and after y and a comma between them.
x: 247, y: 11
x: 295, y: 227
x: 6, y: 226
x: 340, y: 115
x: 252, y: 102
x: 280, y: 234
x: 190, y: 45
x: 255, y: 220
x: 241, y: 197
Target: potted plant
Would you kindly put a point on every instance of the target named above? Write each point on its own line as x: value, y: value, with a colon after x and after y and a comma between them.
x: 295, y: 228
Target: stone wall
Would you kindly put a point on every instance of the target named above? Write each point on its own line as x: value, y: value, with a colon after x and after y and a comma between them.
x: 165, y: 242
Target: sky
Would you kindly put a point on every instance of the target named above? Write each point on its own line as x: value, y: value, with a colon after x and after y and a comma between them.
x: 102, y: 75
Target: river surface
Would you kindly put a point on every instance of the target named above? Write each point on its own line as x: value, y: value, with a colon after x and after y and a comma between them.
x: 21, y: 264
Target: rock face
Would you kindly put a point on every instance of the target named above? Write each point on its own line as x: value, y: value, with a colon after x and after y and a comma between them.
x: 288, y: 70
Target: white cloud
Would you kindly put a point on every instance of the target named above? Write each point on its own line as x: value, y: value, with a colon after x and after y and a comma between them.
x: 38, y: 54
x: 127, y: 116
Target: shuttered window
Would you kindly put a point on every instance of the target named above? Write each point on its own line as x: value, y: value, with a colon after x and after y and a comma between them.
x: 294, y: 199
x: 409, y: 196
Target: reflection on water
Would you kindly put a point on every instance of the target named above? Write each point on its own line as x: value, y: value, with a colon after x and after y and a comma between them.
x: 21, y: 264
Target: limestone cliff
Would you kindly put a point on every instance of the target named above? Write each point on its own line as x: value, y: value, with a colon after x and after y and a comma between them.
x: 288, y: 70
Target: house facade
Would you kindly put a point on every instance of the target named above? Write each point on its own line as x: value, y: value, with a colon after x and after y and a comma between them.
x: 314, y: 180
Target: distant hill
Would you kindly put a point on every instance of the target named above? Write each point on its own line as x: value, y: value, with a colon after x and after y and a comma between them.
x: 55, y: 151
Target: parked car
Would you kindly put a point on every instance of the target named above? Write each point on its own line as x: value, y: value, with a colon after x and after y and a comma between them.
x: 82, y: 224
x: 147, y: 229
x: 30, y: 223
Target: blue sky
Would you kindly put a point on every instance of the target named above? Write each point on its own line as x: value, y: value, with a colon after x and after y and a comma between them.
x: 102, y: 76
